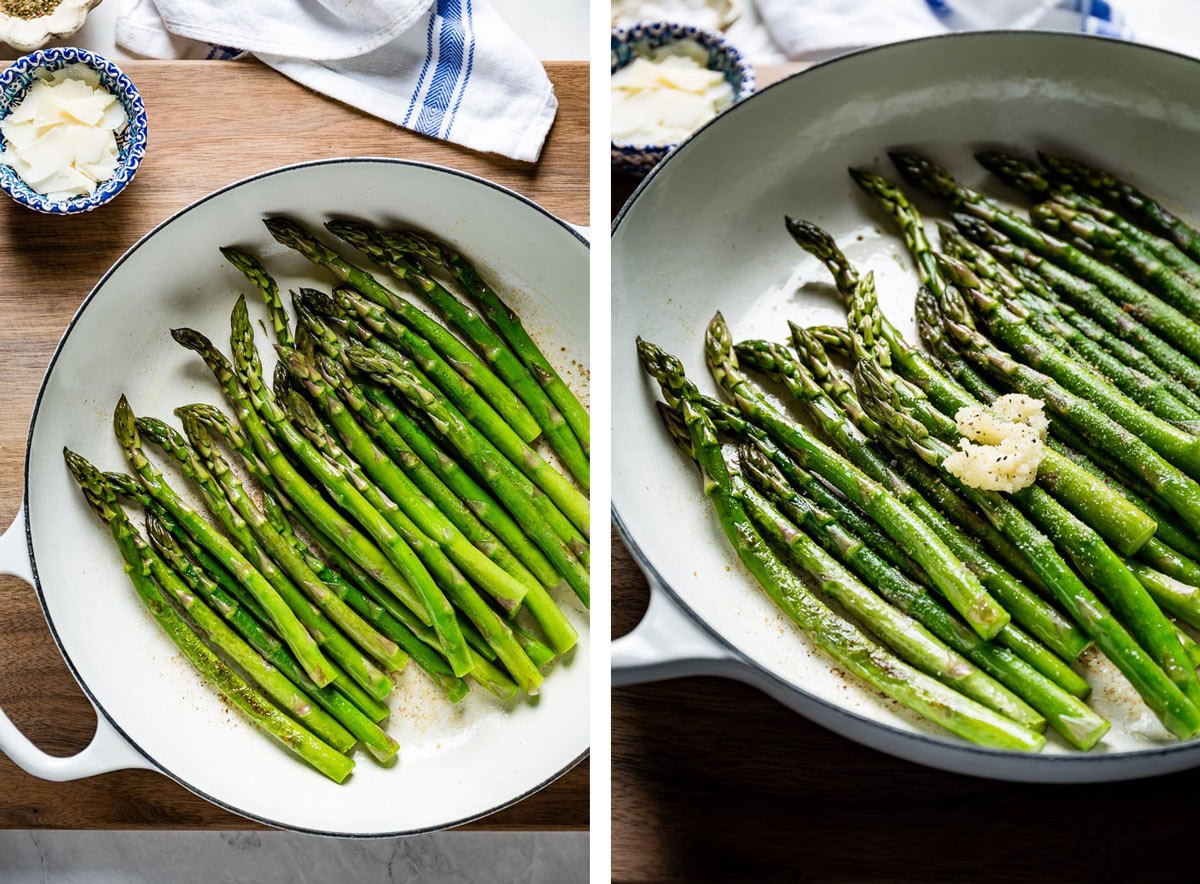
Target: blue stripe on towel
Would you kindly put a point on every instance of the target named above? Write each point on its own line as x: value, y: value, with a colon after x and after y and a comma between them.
x: 412, y: 102
x: 470, y: 65
x: 446, y: 73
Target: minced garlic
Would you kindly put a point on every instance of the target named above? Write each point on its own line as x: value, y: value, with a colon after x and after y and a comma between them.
x: 1002, y: 446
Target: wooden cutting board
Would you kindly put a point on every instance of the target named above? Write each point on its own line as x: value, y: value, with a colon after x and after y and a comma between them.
x: 211, y: 123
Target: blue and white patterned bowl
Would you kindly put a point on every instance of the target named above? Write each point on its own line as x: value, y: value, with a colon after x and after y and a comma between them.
x: 15, y: 82
x: 638, y: 159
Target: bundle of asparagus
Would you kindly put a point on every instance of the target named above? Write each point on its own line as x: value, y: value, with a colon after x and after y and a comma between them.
x: 972, y: 606
x: 397, y: 509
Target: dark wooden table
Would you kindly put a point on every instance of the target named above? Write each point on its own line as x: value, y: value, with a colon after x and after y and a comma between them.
x: 714, y: 781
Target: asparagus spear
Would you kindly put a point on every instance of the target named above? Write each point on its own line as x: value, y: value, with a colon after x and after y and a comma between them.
x: 281, y: 616
x: 392, y: 482
x: 1096, y: 504
x: 1026, y: 295
x: 257, y: 709
x: 730, y: 421
x: 505, y: 320
x: 381, y: 249
x: 1122, y: 323
x: 431, y: 520
x: 1068, y: 715
x: 258, y: 541
x: 1128, y: 256
x: 329, y: 520
x: 960, y: 586
x: 1027, y: 176
x: 398, y: 431
x: 1164, y: 319
x: 915, y: 422
x: 367, y: 597
x: 557, y: 488
x: 903, y: 634
x: 498, y: 634
x: 417, y: 639
x: 331, y: 698
x: 258, y: 276
x: 842, y: 641
x: 427, y: 337
x: 1025, y: 607
x: 1179, y: 490
x: 1009, y: 329
x: 1161, y: 693
x: 510, y: 485
x: 342, y: 490
x: 1177, y: 598
x: 918, y: 474
x: 1124, y: 197
x: 221, y: 637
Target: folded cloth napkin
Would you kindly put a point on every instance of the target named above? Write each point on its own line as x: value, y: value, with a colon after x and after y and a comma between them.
x: 805, y: 29
x: 450, y: 69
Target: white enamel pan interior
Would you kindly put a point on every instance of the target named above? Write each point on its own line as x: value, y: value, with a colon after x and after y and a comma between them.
x: 456, y: 763
x: 705, y: 233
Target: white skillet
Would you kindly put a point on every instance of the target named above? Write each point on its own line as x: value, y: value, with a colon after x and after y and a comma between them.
x: 705, y: 232
x: 456, y: 763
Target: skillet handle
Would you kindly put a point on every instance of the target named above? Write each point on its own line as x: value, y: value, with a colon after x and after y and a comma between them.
x: 669, y: 643
x: 108, y: 750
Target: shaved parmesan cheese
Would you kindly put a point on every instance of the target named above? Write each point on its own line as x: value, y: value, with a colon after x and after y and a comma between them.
x: 665, y: 95
x: 62, y: 138
x: 1002, y: 446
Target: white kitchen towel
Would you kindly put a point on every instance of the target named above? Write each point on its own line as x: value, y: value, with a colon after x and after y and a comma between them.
x: 450, y: 69
x: 806, y: 29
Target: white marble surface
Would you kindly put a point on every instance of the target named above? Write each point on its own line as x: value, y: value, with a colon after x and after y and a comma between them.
x: 46, y: 857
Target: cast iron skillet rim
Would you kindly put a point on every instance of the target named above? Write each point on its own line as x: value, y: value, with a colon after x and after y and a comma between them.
x: 643, y: 561
x: 37, y: 582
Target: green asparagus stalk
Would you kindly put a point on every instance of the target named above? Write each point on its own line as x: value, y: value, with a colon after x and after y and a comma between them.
x: 331, y: 698
x: 1025, y: 607
x: 277, y: 560
x: 498, y: 634
x: 730, y: 421
x: 1164, y: 319
x: 253, y: 705
x: 1126, y: 255
x: 381, y: 249
x: 1124, y: 197
x: 510, y: 485
x: 273, y: 682
x: 505, y: 320
x: 427, y: 336
x: 843, y: 642
x: 1177, y: 598
x: 342, y: 490
x: 394, y: 483
x: 1010, y: 330
x: 474, y: 509
x: 257, y: 274
x: 1078, y: 724
x: 960, y: 586
x: 882, y: 398
x: 916, y: 423
x: 1087, y: 298
x: 285, y: 622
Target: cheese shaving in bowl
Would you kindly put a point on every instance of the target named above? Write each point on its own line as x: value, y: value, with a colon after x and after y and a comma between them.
x: 62, y: 136
x: 665, y: 95
x: 1002, y: 446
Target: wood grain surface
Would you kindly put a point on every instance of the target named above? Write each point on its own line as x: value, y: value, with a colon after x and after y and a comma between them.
x: 714, y: 781
x: 211, y: 123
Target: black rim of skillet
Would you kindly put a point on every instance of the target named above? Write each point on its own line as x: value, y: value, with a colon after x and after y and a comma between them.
x: 37, y: 583
x: 1038, y: 761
